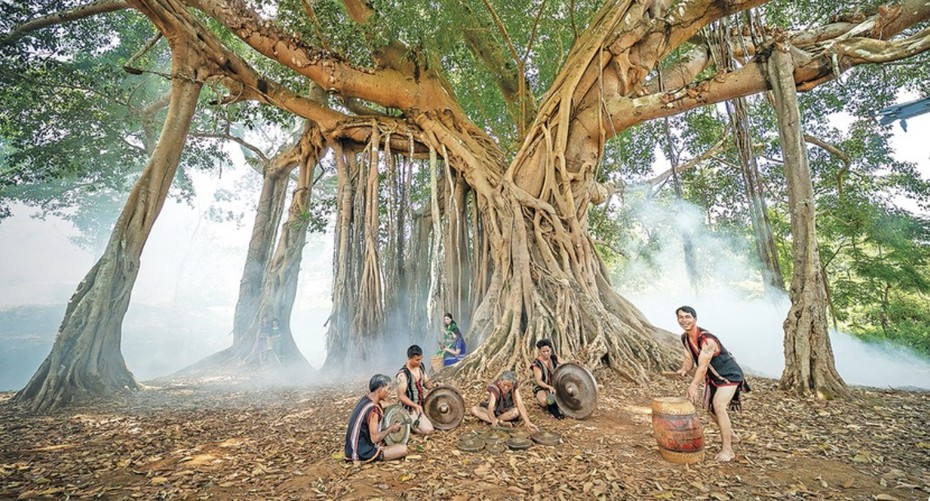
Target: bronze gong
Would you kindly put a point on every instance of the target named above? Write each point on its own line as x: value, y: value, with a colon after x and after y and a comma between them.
x: 471, y: 444
x: 575, y: 390
x: 445, y: 407
x: 544, y: 437
x: 495, y: 448
x: 396, y: 414
x: 495, y: 436
x: 519, y: 443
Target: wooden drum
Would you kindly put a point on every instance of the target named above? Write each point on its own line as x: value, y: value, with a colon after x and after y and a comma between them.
x: 678, y: 430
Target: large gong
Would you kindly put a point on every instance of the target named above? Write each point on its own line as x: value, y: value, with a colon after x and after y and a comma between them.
x: 445, y: 407
x: 396, y: 414
x: 575, y: 390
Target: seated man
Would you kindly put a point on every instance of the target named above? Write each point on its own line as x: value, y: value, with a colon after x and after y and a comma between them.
x: 504, y: 405
x: 543, y: 368
x: 412, y: 385
x: 364, y: 437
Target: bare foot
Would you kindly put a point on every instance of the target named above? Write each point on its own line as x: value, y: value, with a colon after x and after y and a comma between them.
x: 725, y: 456
x: 734, y: 437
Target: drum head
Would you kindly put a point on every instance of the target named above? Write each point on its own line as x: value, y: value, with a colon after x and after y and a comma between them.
x: 544, y: 437
x: 672, y: 405
x: 575, y: 390
x: 445, y: 407
x: 470, y: 444
x: 396, y: 414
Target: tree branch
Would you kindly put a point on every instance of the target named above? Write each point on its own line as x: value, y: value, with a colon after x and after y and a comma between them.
x: 236, y: 139
x: 835, y: 152
x: 227, y: 67
x: 867, y: 50
x: 828, y: 147
x: 385, y: 86
x: 682, y: 73
x: 65, y: 16
x: 712, y: 151
x: 359, y: 10
x: 505, y: 75
x: 503, y: 31
x: 810, y: 72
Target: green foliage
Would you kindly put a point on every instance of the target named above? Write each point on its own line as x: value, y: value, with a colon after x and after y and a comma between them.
x: 875, y: 253
x: 905, y: 323
x: 73, y: 134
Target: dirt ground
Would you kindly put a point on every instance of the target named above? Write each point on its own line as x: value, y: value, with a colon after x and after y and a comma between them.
x: 213, y: 439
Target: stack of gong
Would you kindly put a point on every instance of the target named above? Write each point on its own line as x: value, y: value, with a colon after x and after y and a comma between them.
x: 499, y: 439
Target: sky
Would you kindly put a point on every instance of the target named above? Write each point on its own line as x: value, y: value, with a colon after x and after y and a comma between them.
x: 193, y: 268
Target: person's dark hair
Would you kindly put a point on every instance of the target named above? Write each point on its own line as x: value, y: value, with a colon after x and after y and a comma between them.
x: 449, y: 316
x: 414, y: 351
x: 378, y: 381
x: 544, y: 342
x: 687, y: 309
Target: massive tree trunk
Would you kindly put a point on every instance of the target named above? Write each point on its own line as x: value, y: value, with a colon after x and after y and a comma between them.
x: 86, y: 360
x: 809, y: 366
x: 275, y: 177
x: 547, y: 280
x: 273, y: 299
x: 280, y: 287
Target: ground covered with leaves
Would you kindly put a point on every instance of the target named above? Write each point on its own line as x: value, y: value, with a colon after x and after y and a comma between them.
x: 215, y: 439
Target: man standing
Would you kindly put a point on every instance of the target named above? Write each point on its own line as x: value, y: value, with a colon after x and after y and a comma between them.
x: 364, y: 436
x: 722, y: 376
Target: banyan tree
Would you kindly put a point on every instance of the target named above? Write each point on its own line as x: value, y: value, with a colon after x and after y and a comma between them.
x: 466, y: 138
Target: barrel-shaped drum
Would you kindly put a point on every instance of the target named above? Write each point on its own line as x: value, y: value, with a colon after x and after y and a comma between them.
x: 678, y: 430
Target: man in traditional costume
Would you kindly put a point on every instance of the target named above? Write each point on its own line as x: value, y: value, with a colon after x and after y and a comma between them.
x: 722, y: 376
x: 364, y: 436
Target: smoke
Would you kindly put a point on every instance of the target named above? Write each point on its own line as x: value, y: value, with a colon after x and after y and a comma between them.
x: 183, y: 300
x: 731, y: 303
x: 182, y: 305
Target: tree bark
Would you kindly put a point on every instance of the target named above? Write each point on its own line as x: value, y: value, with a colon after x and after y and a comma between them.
x: 86, y: 360
x: 275, y: 177
x: 273, y: 298
x: 280, y: 286
x: 345, y: 255
x: 809, y: 365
